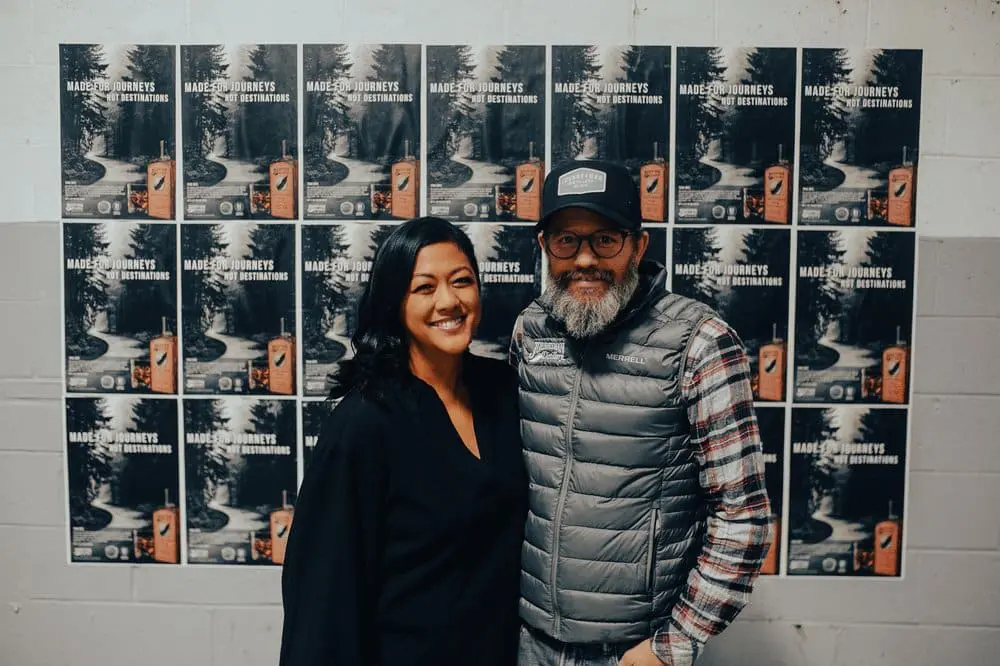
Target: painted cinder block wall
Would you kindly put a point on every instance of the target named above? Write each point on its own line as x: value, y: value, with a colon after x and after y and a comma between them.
x: 947, y: 611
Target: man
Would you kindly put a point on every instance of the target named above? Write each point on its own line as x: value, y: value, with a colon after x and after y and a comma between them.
x: 649, y: 517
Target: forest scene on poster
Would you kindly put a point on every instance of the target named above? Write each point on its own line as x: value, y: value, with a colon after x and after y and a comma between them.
x: 743, y: 275
x: 123, y: 471
x: 362, y: 131
x: 854, y: 316
x: 735, y: 135
x: 613, y: 103
x: 486, y: 109
x: 241, y: 474
x: 336, y: 263
x: 859, y: 137
x: 120, y: 307
x: 238, y: 308
x: 222, y: 205
x: 848, y: 478
x: 117, y: 130
x: 239, y: 113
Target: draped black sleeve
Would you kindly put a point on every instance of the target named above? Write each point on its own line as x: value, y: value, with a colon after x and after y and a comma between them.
x: 330, y: 577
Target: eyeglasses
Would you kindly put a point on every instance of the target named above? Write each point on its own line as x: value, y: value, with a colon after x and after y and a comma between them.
x: 606, y: 243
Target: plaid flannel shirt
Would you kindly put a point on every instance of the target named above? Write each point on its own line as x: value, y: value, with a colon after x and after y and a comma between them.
x: 716, y: 386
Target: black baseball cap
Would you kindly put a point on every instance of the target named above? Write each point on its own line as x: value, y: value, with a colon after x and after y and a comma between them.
x: 606, y: 188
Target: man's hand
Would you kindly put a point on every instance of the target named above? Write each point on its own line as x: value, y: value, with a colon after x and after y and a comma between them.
x: 641, y: 655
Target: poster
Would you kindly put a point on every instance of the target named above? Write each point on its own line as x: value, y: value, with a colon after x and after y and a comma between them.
x: 336, y: 261
x: 486, y: 110
x: 859, y: 137
x: 735, y: 134
x: 656, y: 250
x: 613, y: 103
x: 241, y: 479
x: 238, y: 308
x: 854, y: 315
x: 239, y: 114
x: 848, y: 470
x: 510, y: 278
x: 314, y: 415
x: 742, y: 273
x: 118, y: 130
x: 361, y: 122
x: 123, y: 472
x: 120, y: 307
x: 771, y: 424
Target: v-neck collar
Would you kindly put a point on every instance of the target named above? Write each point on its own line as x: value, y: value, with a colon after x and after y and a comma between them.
x: 428, y: 398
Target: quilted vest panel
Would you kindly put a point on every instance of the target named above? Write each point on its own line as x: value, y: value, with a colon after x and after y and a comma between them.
x: 615, y: 519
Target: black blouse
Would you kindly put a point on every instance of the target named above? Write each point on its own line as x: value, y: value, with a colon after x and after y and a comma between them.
x: 405, y: 547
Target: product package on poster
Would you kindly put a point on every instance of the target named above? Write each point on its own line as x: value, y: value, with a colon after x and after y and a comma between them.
x: 613, y: 103
x: 361, y: 122
x: 241, y: 476
x: 239, y: 112
x: 859, y: 140
x: 123, y: 473
x: 735, y: 135
x: 771, y: 424
x: 118, y: 131
x: 238, y: 308
x: 854, y: 312
x: 120, y: 307
x: 336, y: 262
x: 486, y: 110
x: 743, y: 274
x: 845, y: 504
x: 314, y: 416
x: 510, y: 277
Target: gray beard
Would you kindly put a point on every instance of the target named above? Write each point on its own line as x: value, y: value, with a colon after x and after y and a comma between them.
x: 585, y: 319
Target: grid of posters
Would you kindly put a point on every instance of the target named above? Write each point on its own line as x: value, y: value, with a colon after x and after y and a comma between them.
x: 223, y: 205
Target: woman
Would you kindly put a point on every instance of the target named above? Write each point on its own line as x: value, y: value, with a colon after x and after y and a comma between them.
x: 406, y: 543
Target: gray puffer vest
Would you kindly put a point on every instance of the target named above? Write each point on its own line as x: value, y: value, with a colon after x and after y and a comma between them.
x: 615, y: 520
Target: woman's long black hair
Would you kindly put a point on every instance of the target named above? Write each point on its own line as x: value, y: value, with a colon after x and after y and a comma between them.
x: 380, y: 344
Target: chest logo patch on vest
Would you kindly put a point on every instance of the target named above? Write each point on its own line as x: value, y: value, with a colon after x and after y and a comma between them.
x: 623, y: 358
x: 544, y: 351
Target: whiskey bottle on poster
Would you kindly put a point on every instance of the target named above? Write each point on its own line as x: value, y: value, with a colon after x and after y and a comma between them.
x: 777, y: 184
x: 771, y: 368
x: 281, y: 523
x: 405, y: 185
x: 528, y: 195
x: 901, y: 187
x: 887, y: 545
x: 166, y: 547
x: 163, y: 361
x: 894, y: 367
x: 653, y: 187
x: 281, y: 363
x: 770, y: 566
x: 161, y: 176
x: 284, y: 174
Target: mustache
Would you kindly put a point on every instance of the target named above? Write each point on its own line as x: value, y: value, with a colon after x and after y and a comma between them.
x: 564, y: 278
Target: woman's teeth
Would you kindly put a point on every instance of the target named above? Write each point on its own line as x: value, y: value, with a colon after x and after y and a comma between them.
x: 449, y: 324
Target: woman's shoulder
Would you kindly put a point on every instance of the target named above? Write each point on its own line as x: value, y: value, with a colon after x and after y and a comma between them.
x: 487, y: 371
x: 358, y: 415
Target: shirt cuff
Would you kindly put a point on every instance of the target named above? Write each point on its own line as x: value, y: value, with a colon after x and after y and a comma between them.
x: 675, y: 648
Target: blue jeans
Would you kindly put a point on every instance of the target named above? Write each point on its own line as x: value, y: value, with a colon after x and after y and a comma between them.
x: 537, y: 649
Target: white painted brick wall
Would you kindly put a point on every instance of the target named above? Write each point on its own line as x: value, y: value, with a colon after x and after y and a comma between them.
x: 946, y: 612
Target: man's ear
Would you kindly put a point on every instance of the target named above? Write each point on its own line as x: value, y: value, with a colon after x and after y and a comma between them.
x: 642, y: 242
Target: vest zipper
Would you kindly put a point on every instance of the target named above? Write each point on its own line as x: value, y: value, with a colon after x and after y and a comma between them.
x: 654, y: 522
x: 564, y: 488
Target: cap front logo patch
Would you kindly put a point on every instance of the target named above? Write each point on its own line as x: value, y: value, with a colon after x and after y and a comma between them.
x: 582, y: 181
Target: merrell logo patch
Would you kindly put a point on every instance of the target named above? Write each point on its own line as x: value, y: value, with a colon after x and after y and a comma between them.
x: 582, y: 181
x: 634, y: 360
